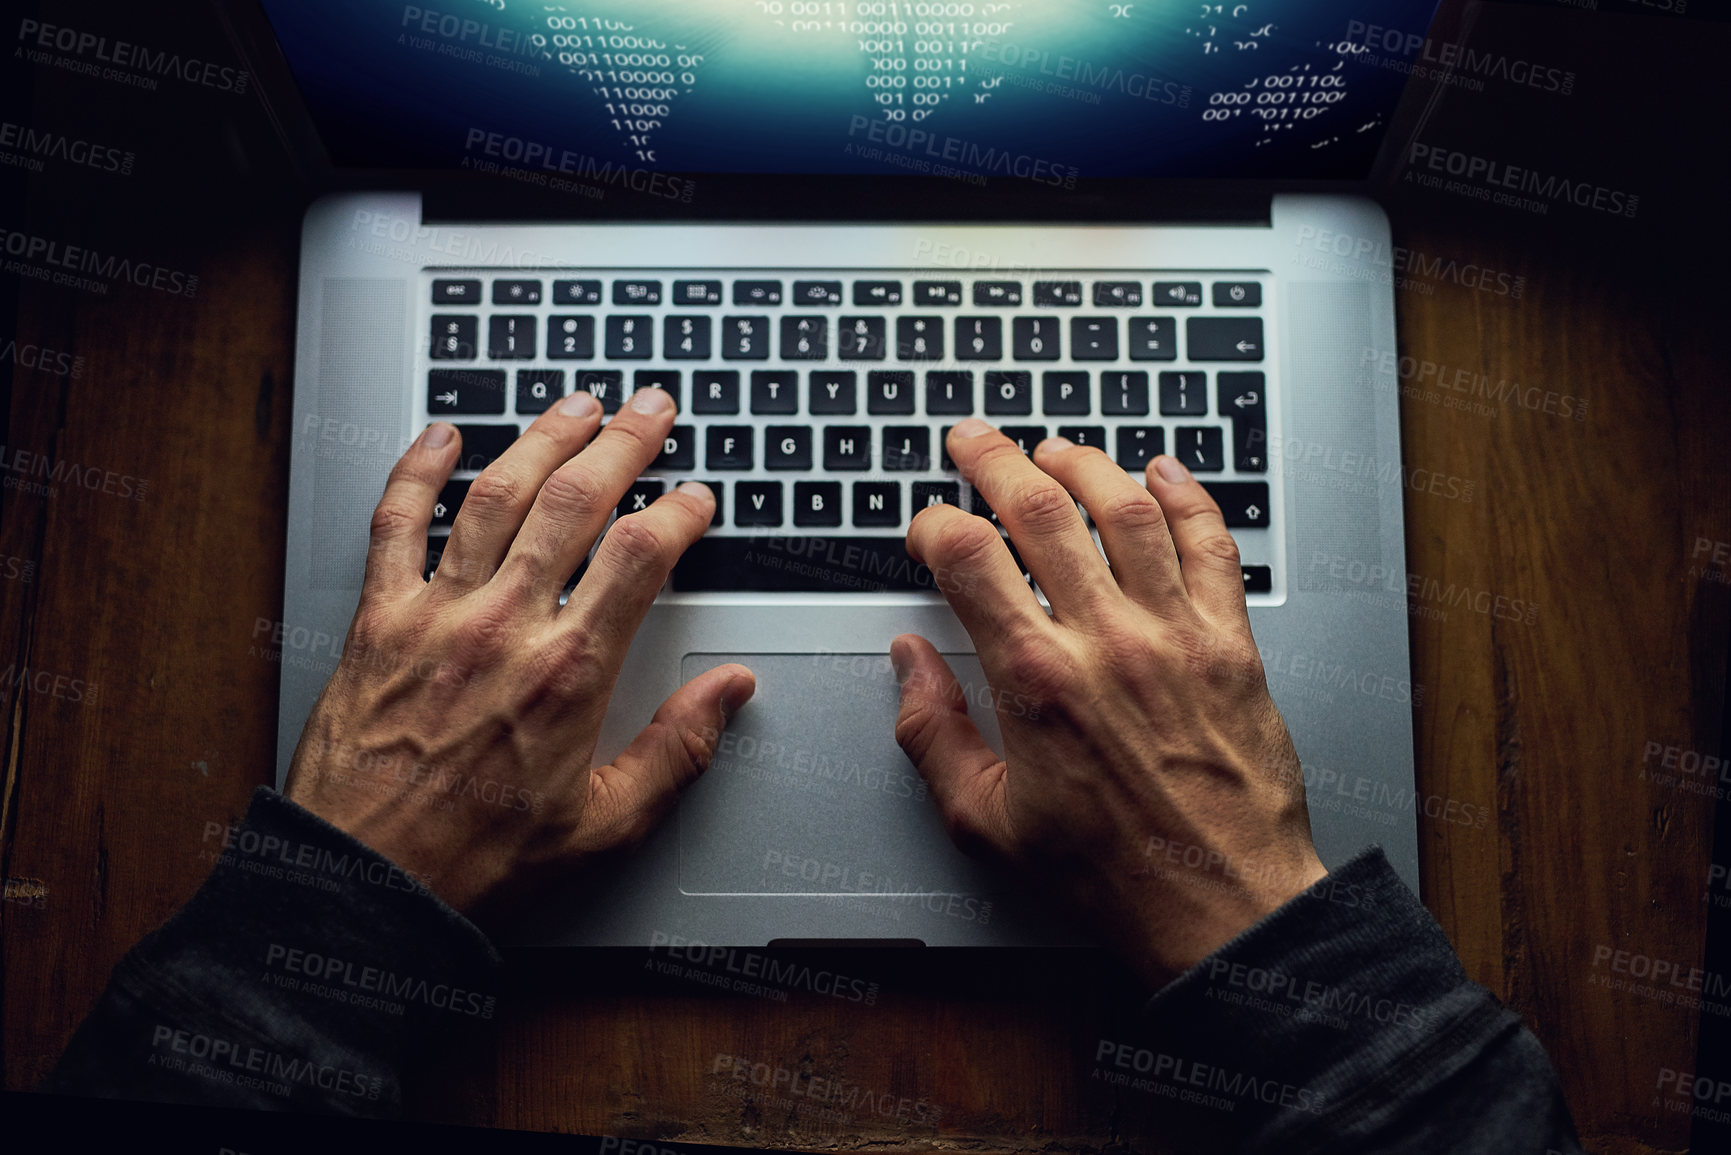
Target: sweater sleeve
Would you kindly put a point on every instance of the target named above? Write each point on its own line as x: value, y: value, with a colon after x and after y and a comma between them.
x: 309, y: 973
x: 1341, y: 1022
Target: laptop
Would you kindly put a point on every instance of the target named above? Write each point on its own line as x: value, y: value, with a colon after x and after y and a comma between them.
x: 832, y: 230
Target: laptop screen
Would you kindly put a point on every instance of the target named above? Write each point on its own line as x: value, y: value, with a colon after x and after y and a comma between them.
x: 1047, y: 91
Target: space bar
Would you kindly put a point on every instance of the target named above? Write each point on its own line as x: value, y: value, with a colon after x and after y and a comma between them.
x: 800, y: 565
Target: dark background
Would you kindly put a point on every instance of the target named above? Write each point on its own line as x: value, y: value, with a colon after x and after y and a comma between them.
x: 151, y: 599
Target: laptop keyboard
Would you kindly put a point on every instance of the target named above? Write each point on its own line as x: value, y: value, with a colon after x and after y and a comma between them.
x: 815, y: 404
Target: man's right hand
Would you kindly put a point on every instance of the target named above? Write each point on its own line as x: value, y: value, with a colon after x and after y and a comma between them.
x: 1149, y: 782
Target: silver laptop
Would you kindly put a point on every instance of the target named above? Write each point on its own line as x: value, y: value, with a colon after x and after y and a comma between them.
x: 832, y: 231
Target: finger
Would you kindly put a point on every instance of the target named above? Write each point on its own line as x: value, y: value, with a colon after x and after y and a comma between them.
x: 574, y: 503
x: 1207, y: 554
x: 497, y: 501
x: 1132, y: 526
x: 629, y: 797
x: 1040, y: 516
x: 973, y: 568
x: 632, y: 564
x: 966, y: 778
x: 397, y: 546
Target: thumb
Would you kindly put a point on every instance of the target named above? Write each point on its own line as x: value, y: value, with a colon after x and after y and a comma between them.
x: 668, y: 754
x: 966, y: 778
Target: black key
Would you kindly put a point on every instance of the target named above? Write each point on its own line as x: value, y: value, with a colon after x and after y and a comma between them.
x: 1057, y: 293
x: 877, y: 504
x: 1175, y: 293
x: 516, y: 292
x: 465, y: 391
x: 1093, y: 338
x: 832, y: 392
x: 866, y: 293
x: 640, y: 496
x: 450, y: 501
x: 757, y: 292
x: 482, y: 444
x: 745, y: 338
x: 1237, y: 294
x: 847, y: 447
x: 630, y: 337
x: 435, y: 550
x: 1117, y: 294
x: 825, y: 565
x: 1199, y: 448
x: 678, y: 449
x: 459, y: 292
x: 570, y: 337
x: 889, y: 391
x: 999, y: 293
x: 576, y: 292
x: 1184, y: 394
x: 1244, y: 398
x: 907, y: 448
x: 537, y: 389
x: 816, y: 293
x: 666, y: 380
x: 715, y: 391
x: 1244, y: 504
x: 1065, y: 392
x: 920, y: 338
x: 979, y: 339
x: 605, y: 385
x: 636, y: 292
x: 756, y: 503
x: 774, y: 391
x: 1153, y: 338
x: 1034, y: 339
x: 454, y: 336
x: 697, y: 292
x: 1089, y: 436
x: 1009, y: 392
x: 719, y: 489
x: 861, y: 339
x: 1025, y: 436
x: 511, y: 337
x: 937, y: 292
x: 787, y: 447
x: 936, y: 493
x: 816, y: 503
x: 685, y: 338
x: 804, y: 338
x: 1224, y: 338
x: 978, y: 507
x: 728, y: 446
x: 949, y: 392
x: 1124, y: 394
x: 1140, y: 444
x: 1258, y: 579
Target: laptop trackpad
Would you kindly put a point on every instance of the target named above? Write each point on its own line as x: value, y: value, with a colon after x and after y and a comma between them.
x: 809, y: 793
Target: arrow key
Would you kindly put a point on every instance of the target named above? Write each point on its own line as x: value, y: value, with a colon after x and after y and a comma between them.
x: 1244, y: 398
x: 465, y: 391
x: 1243, y: 503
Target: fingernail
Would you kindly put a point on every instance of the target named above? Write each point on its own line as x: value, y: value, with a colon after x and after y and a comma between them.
x: 1052, y: 443
x: 972, y: 427
x: 899, y: 660
x: 436, y: 435
x: 697, y: 489
x: 736, y: 694
x: 580, y: 404
x: 1172, y: 469
x: 651, y: 401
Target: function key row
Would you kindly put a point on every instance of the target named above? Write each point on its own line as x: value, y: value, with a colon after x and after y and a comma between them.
x: 985, y: 294
x: 809, y: 337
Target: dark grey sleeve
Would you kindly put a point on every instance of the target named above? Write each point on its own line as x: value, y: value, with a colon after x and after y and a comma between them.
x: 308, y: 973
x: 1341, y: 1022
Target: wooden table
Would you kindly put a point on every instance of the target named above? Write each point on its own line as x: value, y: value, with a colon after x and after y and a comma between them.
x: 160, y: 718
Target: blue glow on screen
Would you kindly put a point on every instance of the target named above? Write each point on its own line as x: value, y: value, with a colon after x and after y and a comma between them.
x: 1052, y: 91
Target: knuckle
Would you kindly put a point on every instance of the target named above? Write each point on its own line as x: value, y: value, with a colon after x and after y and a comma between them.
x: 1134, y: 510
x: 495, y: 489
x: 1044, y: 506
x: 916, y: 727
x: 1040, y: 673
x: 639, y: 544
x: 484, y: 630
x: 574, y: 488
x: 394, y: 519
x: 964, y: 541
x: 1218, y: 547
